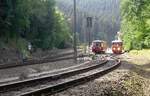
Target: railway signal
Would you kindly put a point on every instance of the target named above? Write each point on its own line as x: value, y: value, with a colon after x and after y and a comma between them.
x: 89, y: 22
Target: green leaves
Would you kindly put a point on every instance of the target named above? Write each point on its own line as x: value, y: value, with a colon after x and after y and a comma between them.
x: 135, y: 23
x: 34, y: 21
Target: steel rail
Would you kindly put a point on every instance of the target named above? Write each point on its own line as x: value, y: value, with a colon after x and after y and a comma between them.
x: 65, y: 85
x: 52, y: 77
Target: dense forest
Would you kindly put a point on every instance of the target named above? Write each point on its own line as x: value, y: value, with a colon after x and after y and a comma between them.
x: 35, y: 22
x: 43, y: 25
x: 105, y: 17
x: 135, y: 24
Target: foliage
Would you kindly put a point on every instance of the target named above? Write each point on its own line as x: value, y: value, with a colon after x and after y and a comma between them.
x: 61, y: 30
x: 135, y: 23
x: 35, y: 21
x: 14, y: 18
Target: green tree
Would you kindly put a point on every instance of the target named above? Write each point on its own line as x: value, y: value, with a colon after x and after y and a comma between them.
x: 14, y: 19
x: 35, y: 21
x: 134, y: 23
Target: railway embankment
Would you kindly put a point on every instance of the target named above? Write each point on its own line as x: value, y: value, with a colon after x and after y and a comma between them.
x: 9, y: 55
x: 22, y: 71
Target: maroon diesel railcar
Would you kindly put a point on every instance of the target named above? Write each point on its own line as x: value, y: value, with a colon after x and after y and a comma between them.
x: 117, y: 47
x: 99, y: 46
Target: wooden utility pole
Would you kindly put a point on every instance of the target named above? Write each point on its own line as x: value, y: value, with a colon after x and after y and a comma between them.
x: 75, y: 42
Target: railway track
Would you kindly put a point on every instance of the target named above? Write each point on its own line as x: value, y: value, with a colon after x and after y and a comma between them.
x: 59, y: 57
x: 59, y: 81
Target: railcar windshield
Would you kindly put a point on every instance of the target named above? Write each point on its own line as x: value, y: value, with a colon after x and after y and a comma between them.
x: 117, y: 43
x: 97, y: 44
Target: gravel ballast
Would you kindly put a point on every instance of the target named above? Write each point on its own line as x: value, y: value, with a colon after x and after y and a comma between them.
x: 102, y: 86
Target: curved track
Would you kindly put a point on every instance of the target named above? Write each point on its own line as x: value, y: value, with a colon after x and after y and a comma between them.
x: 51, y: 77
x: 53, y: 83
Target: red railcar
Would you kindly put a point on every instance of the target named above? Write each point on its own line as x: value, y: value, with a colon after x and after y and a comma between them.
x: 99, y: 46
x: 117, y: 47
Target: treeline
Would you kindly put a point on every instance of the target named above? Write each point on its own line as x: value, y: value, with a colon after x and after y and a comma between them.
x: 38, y: 22
x: 135, y: 24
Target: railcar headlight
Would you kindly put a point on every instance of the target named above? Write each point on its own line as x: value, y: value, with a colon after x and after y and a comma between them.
x: 114, y: 48
x: 118, y: 48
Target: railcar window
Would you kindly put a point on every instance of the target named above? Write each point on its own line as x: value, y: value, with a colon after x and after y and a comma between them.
x: 102, y: 44
x: 97, y: 44
x: 117, y: 44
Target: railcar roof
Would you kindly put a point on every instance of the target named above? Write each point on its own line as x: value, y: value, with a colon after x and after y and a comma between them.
x: 98, y: 41
x: 117, y: 41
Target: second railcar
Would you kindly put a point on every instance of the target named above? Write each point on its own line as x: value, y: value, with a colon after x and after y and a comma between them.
x: 99, y: 46
x: 117, y: 47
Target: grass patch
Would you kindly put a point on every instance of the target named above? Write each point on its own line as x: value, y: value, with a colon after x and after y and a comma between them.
x: 140, y: 59
x: 140, y: 54
x: 141, y: 67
